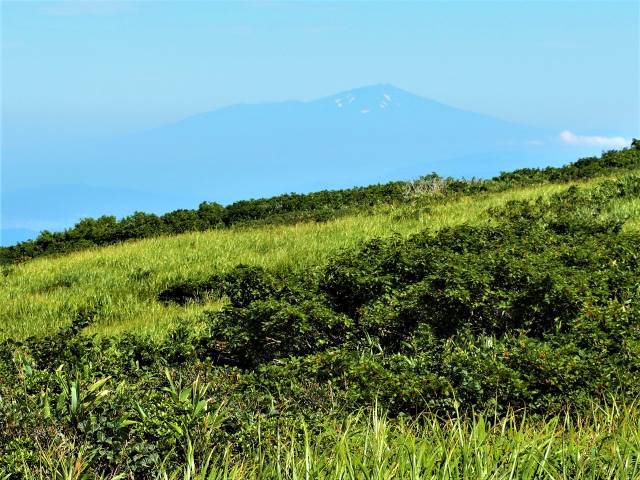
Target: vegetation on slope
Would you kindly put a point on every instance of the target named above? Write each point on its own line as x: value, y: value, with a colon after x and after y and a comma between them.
x: 121, y: 283
x: 531, y: 310
x: 293, y: 208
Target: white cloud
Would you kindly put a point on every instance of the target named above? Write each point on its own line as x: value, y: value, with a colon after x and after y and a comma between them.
x: 571, y: 138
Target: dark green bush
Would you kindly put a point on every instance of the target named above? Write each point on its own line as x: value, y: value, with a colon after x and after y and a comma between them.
x: 537, y: 276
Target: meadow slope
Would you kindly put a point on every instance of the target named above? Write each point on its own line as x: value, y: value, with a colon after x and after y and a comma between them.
x: 123, y: 281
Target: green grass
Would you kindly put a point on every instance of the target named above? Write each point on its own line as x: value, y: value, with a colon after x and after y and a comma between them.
x: 122, y: 281
x: 603, y: 444
x: 629, y: 209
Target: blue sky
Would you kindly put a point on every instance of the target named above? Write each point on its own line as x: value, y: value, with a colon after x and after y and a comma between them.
x: 74, y: 70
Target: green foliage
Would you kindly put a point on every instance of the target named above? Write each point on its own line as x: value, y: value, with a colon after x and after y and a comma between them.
x: 524, y: 288
x: 613, y: 161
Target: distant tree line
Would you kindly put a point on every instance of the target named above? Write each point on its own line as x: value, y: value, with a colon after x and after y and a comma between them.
x: 295, y: 208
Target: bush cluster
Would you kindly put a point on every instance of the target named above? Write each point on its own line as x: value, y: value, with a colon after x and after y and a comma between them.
x: 539, y: 309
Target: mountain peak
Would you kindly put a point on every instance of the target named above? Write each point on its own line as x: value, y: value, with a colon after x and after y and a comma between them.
x: 370, y: 98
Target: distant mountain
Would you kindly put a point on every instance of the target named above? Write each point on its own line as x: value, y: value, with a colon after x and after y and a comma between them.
x: 363, y: 136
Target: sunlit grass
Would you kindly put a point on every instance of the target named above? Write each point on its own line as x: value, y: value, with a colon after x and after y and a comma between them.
x: 602, y: 444
x: 628, y: 208
x: 121, y: 282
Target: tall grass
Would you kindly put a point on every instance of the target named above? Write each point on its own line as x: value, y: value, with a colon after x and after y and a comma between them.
x: 605, y: 444
x: 121, y: 282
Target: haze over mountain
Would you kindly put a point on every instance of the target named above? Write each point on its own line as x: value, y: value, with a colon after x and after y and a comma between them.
x: 366, y: 135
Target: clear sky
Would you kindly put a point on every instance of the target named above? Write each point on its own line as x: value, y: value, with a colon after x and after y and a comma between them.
x: 82, y: 69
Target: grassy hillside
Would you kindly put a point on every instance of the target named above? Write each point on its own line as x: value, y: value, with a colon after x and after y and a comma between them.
x: 461, y: 332
x: 122, y: 282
